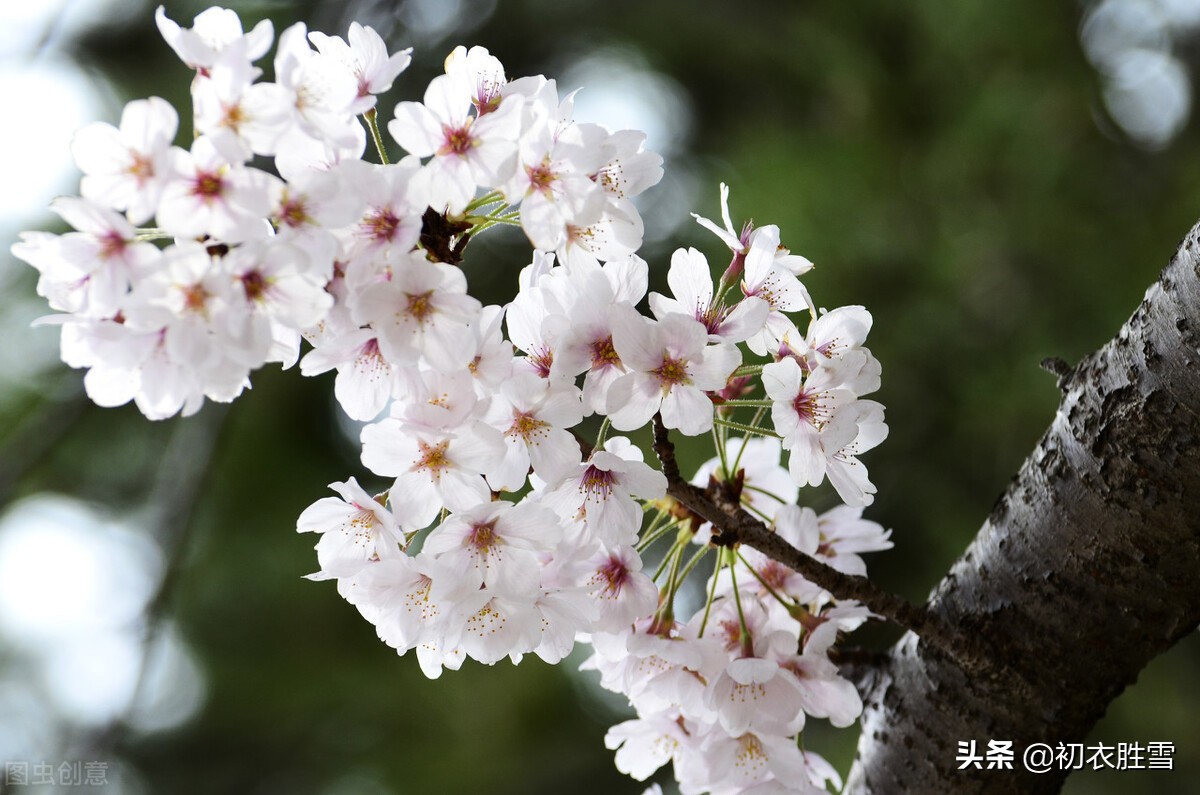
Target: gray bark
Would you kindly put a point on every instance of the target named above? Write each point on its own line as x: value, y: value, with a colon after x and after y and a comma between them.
x: 1087, y: 568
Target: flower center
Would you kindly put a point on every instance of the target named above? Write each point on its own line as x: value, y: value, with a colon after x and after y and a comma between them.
x: 420, y: 306
x: 112, y: 244
x: 208, y: 185
x: 457, y: 141
x: 483, y: 537
x: 596, y: 481
x: 195, y: 297
x: 381, y: 225
x: 807, y: 406
x: 140, y: 167
x: 362, y: 526
x: 234, y: 117
x: 542, y: 360
x: 614, y: 575
x: 526, y: 426
x: 292, y: 213
x: 541, y: 177
x: 255, y: 284
x: 433, y: 458
x: 604, y: 354
x: 672, y: 371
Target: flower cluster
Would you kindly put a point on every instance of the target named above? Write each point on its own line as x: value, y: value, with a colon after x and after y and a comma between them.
x: 498, y: 530
x: 724, y: 695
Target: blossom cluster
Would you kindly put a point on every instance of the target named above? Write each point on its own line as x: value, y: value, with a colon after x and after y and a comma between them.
x: 725, y: 695
x: 498, y: 530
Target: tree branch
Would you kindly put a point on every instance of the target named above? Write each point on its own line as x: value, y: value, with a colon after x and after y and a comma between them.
x: 1083, y: 573
x: 734, y: 525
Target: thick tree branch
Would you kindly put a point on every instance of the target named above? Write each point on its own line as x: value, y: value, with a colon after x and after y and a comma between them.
x: 1083, y: 573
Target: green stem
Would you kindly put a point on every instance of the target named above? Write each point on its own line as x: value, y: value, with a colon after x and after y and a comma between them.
x: 766, y: 519
x: 490, y: 198
x: 672, y: 556
x: 712, y: 591
x: 373, y: 126
x: 604, y: 425
x: 748, y: 403
x: 653, y: 535
x: 719, y: 443
x: 748, y: 369
x: 757, y: 416
x: 737, y: 598
x: 691, y: 564
x: 737, y: 426
x: 786, y: 603
x: 770, y: 494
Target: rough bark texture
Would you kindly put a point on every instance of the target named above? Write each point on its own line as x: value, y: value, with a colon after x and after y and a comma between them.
x: 1087, y: 568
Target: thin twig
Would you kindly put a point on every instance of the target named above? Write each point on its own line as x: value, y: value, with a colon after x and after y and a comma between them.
x: 732, y: 525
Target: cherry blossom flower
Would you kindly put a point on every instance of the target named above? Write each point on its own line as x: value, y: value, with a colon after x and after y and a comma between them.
x: 367, y: 59
x: 433, y: 469
x: 602, y: 490
x: 422, y: 310
x: 533, y: 415
x: 214, y: 31
x: 208, y: 195
x: 126, y: 168
x: 670, y: 368
x: 691, y: 284
x: 354, y: 530
x: 467, y: 151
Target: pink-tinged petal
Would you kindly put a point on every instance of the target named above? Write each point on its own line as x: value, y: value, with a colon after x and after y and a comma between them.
x: 751, y: 670
x: 447, y: 346
x: 446, y: 182
x: 461, y: 490
x: 690, y: 280
x: 362, y: 390
x: 325, y: 513
x: 387, y: 449
x: 662, y: 306
x: 633, y: 400
x: 827, y: 695
x: 786, y: 293
x: 798, y: 526
x: 555, y: 455
x: 629, y: 277
x: 643, y: 481
x: 714, y: 366
x: 512, y: 472
x: 687, y: 409
x: 149, y: 123
x: 416, y: 129
x: 415, y: 498
x: 110, y: 387
x: 760, y: 255
x: 562, y: 409
x: 784, y: 759
x: 448, y: 97
x: 807, y: 462
x: 543, y: 221
x: 636, y: 340
x: 850, y: 480
x: 682, y: 337
x: 97, y: 148
x: 781, y: 380
x: 746, y: 320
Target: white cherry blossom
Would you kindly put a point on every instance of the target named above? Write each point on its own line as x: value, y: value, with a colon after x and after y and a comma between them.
x: 126, y: 168
x: 670, y: 369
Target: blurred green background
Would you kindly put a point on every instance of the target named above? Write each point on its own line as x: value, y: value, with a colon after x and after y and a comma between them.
x: 997, y: 183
